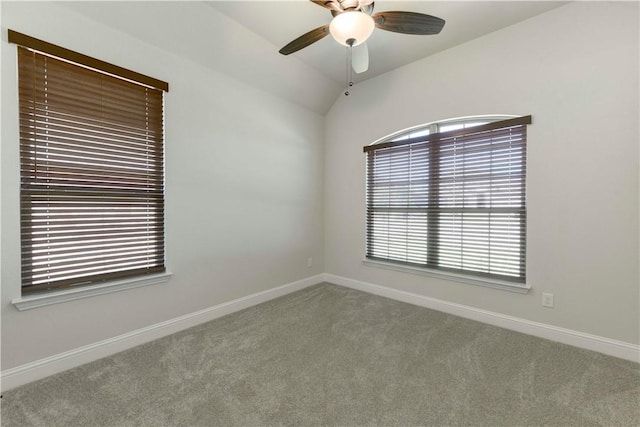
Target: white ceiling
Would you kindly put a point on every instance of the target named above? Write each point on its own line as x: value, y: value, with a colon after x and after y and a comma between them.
x: 241, y: 38
x: 279, y: 22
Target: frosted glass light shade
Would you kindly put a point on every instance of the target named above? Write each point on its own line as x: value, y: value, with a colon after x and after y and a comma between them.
x: 351, y: 25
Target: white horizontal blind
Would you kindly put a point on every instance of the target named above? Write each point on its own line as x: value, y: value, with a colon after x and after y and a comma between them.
x: 452, y: 200
x: 92, y: 175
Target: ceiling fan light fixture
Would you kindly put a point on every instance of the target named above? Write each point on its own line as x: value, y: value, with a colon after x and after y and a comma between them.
x: 351, y: 25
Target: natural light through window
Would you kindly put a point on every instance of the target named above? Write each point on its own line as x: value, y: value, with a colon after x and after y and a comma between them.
x: 91, y: 169
x: 451, y: 196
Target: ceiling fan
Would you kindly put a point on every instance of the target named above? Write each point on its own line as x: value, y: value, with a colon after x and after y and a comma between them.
x: 353, y: 23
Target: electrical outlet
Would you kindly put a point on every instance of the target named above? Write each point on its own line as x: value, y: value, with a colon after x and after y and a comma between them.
x: 309, y: 262
x: 547, y: 299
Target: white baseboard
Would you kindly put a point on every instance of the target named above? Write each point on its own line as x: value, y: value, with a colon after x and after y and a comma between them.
x: 42, y: 368
x: 604, y: 345
x: 23, y: 374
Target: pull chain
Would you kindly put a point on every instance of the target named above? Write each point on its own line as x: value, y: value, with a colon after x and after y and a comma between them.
x: 350, y: 43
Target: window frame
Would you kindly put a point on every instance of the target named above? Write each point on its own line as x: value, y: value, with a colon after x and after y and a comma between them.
x: 39, y: 295
x: 415, y: 135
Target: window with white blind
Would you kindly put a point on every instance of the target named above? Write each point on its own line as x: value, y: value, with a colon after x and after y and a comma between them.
x: 91, y: 169
x: 450, y: 197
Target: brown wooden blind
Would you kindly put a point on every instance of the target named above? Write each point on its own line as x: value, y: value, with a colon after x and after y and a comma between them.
x: 452, y: 201
x: 92, y: 174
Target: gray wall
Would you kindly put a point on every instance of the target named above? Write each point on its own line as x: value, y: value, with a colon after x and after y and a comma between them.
x: 575, y: 70
x: 250, y: 170
x: 243, y: 191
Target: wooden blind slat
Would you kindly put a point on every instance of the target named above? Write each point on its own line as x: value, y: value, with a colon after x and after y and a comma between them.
x: 453, y: 200
x: 92, y: 175
x: 94, y: 278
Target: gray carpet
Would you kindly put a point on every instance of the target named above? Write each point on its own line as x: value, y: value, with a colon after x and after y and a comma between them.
x: 328, y: 355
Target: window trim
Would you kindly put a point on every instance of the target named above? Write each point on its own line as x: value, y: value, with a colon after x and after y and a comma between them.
x: 434, y: 126
x: 57, y: 296
x: 396, y: 140
x: 487, y: 282
x: 523, y: 120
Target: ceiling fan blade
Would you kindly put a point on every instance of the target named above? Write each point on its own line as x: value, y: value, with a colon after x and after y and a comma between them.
x: 408, y: 22
x: 305, y: 40
x: 360, y: 58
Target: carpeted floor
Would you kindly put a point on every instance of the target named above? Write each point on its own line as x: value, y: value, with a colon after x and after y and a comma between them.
x: 328, y: 355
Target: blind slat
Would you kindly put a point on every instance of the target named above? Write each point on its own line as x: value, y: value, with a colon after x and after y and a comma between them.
x: 92, y: 175
x: 453, y: 201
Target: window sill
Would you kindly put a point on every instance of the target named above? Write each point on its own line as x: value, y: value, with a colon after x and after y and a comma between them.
x: 71, y: 294
x: 462, y: 278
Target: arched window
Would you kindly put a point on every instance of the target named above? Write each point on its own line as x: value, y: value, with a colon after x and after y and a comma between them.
x: 450, y: 196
